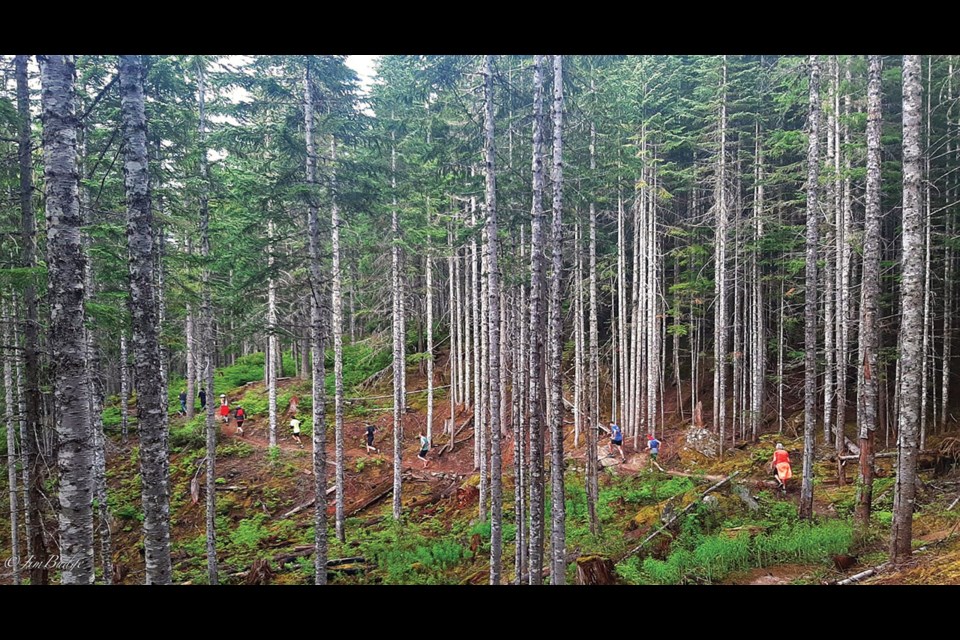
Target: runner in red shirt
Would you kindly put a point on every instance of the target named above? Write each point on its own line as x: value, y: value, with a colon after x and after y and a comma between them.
x: 224, y: 409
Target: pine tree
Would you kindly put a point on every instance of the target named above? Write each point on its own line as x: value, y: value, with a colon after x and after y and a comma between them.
x: 65, y: 263
x: 908, y: 417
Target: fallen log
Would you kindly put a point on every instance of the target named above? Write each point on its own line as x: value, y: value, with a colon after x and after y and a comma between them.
x: 880, y: 568
x: 308, y: 503
x: 302, y: 551
x: 885, y: 454
x: 891, y: 454
x: 695, y: 476
x: 712, y: 487
x: 864, y: 574
x: 423, y: 501
x: 953, y: 504
x: 378, y: 493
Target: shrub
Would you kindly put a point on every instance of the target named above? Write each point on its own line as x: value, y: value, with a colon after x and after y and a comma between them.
x: 249, y: 532
x: 128, y: 512
x: 191, y: 434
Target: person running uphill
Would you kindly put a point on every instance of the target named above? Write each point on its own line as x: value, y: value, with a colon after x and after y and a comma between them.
x: 654, y: 446
x: 240, y: 415
x: 183, y: 402
x: 616, y: 440
x: 295, y: 425
x: 370, y: 429
x: 781, y: 466
x: 224, y: 409
x: 424, y: 448
x: 203, y: 399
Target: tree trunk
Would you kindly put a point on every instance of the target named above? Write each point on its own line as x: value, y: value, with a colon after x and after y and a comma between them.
x: 810, y: 304
x: 11, y: 450
x: 493, y: 341
x: 654, y: 317
x: 190, y: 355
x: 759, y: 348
x: 908, y: 417
x: 207, y: 347
x: 65, y: 263
x: 578, y: 334
x: 144, y: 311
x: 428, y: 267
x: 96, y: 394
x: 844, y: 250
x: 269, y: 361
x: 720, y: 286
x: 305, y: 361
x: 780, y: 358
x: 465, y: 304
x: 24, y: 469
x: 537, y: 401
x: 621, y: 354
x: 867, y: 367
x: 522, y: 436
x: 634, y: 352
x: 337, y: 300
x: 317, y: 334
x: 953, y: 147
x: 475, y: 315
x: 927, y: 321
x: 592, y: 485
x: 31, y: 436
x: 558, y: 567
x: 484, y: 404
x: 454, y: 330
x: 830, y: 255
x: 124, y: 384
x: 399, y: 358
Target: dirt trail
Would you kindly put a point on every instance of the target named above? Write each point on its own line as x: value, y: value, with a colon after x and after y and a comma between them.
x: 256, y: 433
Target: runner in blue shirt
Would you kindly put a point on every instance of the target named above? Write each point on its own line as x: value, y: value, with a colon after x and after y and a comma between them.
x: 616, y: 440
x: 654, y: 445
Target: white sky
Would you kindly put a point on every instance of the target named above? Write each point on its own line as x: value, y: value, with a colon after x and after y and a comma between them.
x: 364, y: 66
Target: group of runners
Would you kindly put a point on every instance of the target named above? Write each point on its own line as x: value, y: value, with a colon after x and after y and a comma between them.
x: 780, y: 465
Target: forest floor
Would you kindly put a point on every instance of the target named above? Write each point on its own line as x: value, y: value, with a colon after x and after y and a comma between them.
x: 264, y: 510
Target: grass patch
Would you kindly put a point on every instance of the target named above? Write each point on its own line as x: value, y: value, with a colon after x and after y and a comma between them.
x: 715, y: 556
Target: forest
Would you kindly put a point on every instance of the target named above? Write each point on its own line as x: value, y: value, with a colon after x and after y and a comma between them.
x: 460, y: 319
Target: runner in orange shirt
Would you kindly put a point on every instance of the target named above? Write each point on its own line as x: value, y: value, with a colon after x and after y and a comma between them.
x: 781, y: 466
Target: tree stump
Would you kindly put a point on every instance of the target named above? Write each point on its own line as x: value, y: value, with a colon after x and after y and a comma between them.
x: 260, y: 572
x: 595, y: 570
x: 466, y: 495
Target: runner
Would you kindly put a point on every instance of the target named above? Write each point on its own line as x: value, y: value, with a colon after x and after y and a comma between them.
x: 224, y: 409
x: 370, y: 429
x: 295, y: 425
x: 240, y: 415
x: 616, y: 440
x: 424, y: 448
